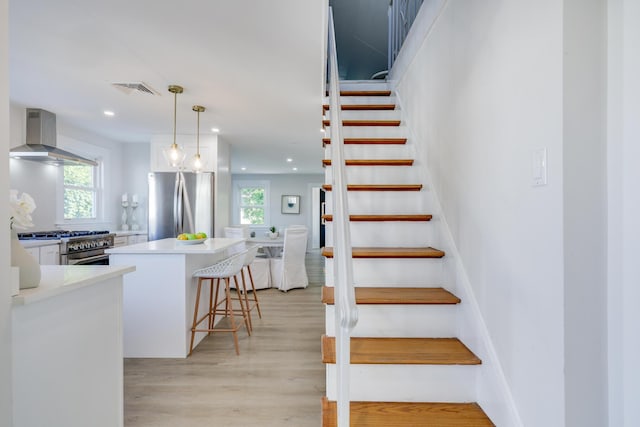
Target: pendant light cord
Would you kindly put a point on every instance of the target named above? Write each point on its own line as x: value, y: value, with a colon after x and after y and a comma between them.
x: 175, y: 115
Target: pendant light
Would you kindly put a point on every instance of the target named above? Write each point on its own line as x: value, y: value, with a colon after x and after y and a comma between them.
x: 196, y: 163
x: 174, y: 155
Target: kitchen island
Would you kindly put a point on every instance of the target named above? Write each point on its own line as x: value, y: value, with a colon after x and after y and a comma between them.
x: 159, y: 298
x: 67, y: 348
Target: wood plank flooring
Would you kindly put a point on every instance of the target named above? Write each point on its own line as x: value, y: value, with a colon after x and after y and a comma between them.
x: 278, y: 379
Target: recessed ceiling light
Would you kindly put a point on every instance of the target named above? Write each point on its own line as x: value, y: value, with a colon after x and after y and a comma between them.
x: 289, y: 159
x: 295, y: 169
x: 215, y: 130
x: 243, y: 168
x: 109, y: 113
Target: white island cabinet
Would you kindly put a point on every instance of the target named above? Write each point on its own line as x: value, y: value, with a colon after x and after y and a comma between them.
x: 159, y: 298
x: 67, y: 348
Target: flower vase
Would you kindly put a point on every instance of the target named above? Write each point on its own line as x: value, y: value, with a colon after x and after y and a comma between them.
x: 27, y: 264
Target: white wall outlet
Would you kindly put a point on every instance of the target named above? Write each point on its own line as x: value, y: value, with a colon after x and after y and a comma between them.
x: 539, y: 167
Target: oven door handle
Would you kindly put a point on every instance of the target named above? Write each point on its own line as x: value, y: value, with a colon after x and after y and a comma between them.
x: 87, y: 259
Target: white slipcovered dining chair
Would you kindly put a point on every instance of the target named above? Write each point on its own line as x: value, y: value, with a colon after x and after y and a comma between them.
x: 260, y: 268
x: 289, y: 271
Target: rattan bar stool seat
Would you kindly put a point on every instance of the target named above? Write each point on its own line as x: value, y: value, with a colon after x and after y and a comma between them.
x: 225, y: 270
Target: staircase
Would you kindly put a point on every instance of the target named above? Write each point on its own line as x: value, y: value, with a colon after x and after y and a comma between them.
x: 407, y: 366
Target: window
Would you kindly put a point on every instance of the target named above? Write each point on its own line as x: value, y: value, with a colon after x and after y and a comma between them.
x: 80, y: 192
x: 252, y: 203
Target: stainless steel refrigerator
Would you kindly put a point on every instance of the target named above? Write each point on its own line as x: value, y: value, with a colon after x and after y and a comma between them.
x: 180, y: 202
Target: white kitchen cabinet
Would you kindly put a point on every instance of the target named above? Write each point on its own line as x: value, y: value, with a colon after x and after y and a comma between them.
x: 34, y: 252
x: 50, y: 255
x: 129, y: 238
x: 136, y: 238
x: 44, y: 253
x: 120, y: 241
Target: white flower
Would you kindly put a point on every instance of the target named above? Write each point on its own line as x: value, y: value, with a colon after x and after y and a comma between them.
x: 20, y: 209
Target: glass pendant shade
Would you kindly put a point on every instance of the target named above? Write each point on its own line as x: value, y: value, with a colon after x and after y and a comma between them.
x: 174, y: 155
x: 196, y: 163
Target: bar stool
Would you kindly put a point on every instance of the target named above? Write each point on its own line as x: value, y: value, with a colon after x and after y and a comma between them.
x: 249, y: 259
x: 225, y: 269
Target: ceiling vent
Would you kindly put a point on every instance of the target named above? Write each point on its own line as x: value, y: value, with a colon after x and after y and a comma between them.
x: 136, y: 87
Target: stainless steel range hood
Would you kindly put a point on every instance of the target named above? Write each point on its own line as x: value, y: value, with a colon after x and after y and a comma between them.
x: 41, y: 142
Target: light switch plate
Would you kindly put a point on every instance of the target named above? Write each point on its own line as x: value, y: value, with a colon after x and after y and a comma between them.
x: 539, y: 167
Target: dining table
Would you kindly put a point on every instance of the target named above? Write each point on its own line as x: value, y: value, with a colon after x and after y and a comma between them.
x: 272, y: 247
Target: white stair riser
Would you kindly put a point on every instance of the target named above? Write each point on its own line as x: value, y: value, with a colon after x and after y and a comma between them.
x: 377, y: 320
x: 364, y: 100
x: 387, y: 234
x: 377, y: 175
x: 364, y: 85
x: 408, y: 383
x: 381, y: 202
x: 370, y: 131
x: 391, y: 272
x: 370, y: 151
x: 367, y: 115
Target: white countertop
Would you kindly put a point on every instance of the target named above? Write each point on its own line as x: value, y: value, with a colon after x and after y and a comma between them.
x: 60, y: 279
x: 174, y: 246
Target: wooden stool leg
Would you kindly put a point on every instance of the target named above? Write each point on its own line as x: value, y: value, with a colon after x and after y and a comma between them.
x: 232, y: 320
x: 246, y: 299
x: 195, y: 316
x: 212, y: 318
x: 210, y: 305
x: 243, y: 310
x: 253, y: 290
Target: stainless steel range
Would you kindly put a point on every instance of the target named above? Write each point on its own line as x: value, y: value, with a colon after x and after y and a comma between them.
x: 77, y: 247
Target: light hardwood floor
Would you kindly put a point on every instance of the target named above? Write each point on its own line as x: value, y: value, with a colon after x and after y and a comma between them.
x: 278, y: 379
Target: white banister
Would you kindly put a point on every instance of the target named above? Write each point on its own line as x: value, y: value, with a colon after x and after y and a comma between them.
x: 345, y: 301
x: 402, y: 13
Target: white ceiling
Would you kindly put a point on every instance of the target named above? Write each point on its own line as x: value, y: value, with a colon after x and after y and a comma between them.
x: 256, y: 65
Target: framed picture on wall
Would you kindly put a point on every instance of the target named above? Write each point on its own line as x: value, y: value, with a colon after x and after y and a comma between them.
x: 290, y: 204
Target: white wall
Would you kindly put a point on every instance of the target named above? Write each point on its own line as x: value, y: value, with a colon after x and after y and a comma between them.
x: 223, y: 189
x: 585, y: 216
x: 483, y: 91
x: 284, y: 184
x: 624, y: 211
x: 135, y: 172
x: 5, y: 298
x: 40, y: 180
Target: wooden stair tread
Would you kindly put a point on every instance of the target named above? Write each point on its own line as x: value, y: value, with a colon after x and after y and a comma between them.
x: 378, y: 218
x: 405, y: 414
x: 365, y: 122
x: 358, y: 141
x: 362, y: 107
x: 402, y: 351
x: 373, y: 162
x: 378, y: 187
x: 375, y: 295
x: 363, y: 93
x: 359, y: 252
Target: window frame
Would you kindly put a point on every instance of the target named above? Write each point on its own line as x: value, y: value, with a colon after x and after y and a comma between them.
x: 239, y: 185
x: 95, y: 189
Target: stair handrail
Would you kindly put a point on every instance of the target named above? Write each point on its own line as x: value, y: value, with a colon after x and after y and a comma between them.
x: 346, y: 312
x: 401, y: 15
